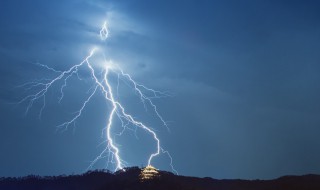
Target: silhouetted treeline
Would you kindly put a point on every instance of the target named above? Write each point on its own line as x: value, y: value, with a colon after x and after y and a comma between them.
x: 129, y: 180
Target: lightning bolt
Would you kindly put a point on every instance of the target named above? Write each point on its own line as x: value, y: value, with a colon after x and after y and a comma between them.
x: 102, y: 85
x: 104, y: 32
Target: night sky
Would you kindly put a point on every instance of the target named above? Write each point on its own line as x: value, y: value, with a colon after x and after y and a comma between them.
x: 244, y: 77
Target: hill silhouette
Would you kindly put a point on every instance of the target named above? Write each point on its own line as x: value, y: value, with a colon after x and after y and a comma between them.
x: 129, y: 180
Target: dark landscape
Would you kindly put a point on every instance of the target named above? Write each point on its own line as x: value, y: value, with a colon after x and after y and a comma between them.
x: 129, y: 180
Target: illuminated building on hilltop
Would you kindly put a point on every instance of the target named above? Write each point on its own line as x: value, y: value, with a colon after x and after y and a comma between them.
x: 148, y: 173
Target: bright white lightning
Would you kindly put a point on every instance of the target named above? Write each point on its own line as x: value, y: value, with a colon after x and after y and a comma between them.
x: 103, y: 85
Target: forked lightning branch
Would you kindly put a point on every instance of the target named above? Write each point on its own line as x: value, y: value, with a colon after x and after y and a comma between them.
x: 111, y: 153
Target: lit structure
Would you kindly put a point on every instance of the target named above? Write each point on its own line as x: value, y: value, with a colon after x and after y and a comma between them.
x: 148, y: 173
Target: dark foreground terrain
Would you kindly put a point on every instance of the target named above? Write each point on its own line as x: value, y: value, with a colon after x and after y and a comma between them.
x: 129, y: 180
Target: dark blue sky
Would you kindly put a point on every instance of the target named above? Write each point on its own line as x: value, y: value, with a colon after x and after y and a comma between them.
x: 245, y: 77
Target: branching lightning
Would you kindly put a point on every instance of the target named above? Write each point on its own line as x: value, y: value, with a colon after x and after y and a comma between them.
x: 104, y: 32
x: 102, y: 85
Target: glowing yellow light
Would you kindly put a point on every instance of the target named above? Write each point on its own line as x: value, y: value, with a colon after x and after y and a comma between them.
x: 148, y: 173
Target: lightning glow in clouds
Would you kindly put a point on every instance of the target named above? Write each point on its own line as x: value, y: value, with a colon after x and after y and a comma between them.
x: 102, y: 85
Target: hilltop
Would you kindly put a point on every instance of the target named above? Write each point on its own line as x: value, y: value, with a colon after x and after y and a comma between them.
x: 130, y: 180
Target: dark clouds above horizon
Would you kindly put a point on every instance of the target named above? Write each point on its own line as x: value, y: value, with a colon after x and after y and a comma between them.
x: 245, y: 75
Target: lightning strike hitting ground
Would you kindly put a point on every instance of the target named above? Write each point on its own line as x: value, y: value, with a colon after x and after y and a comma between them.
x: 102, y: 85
